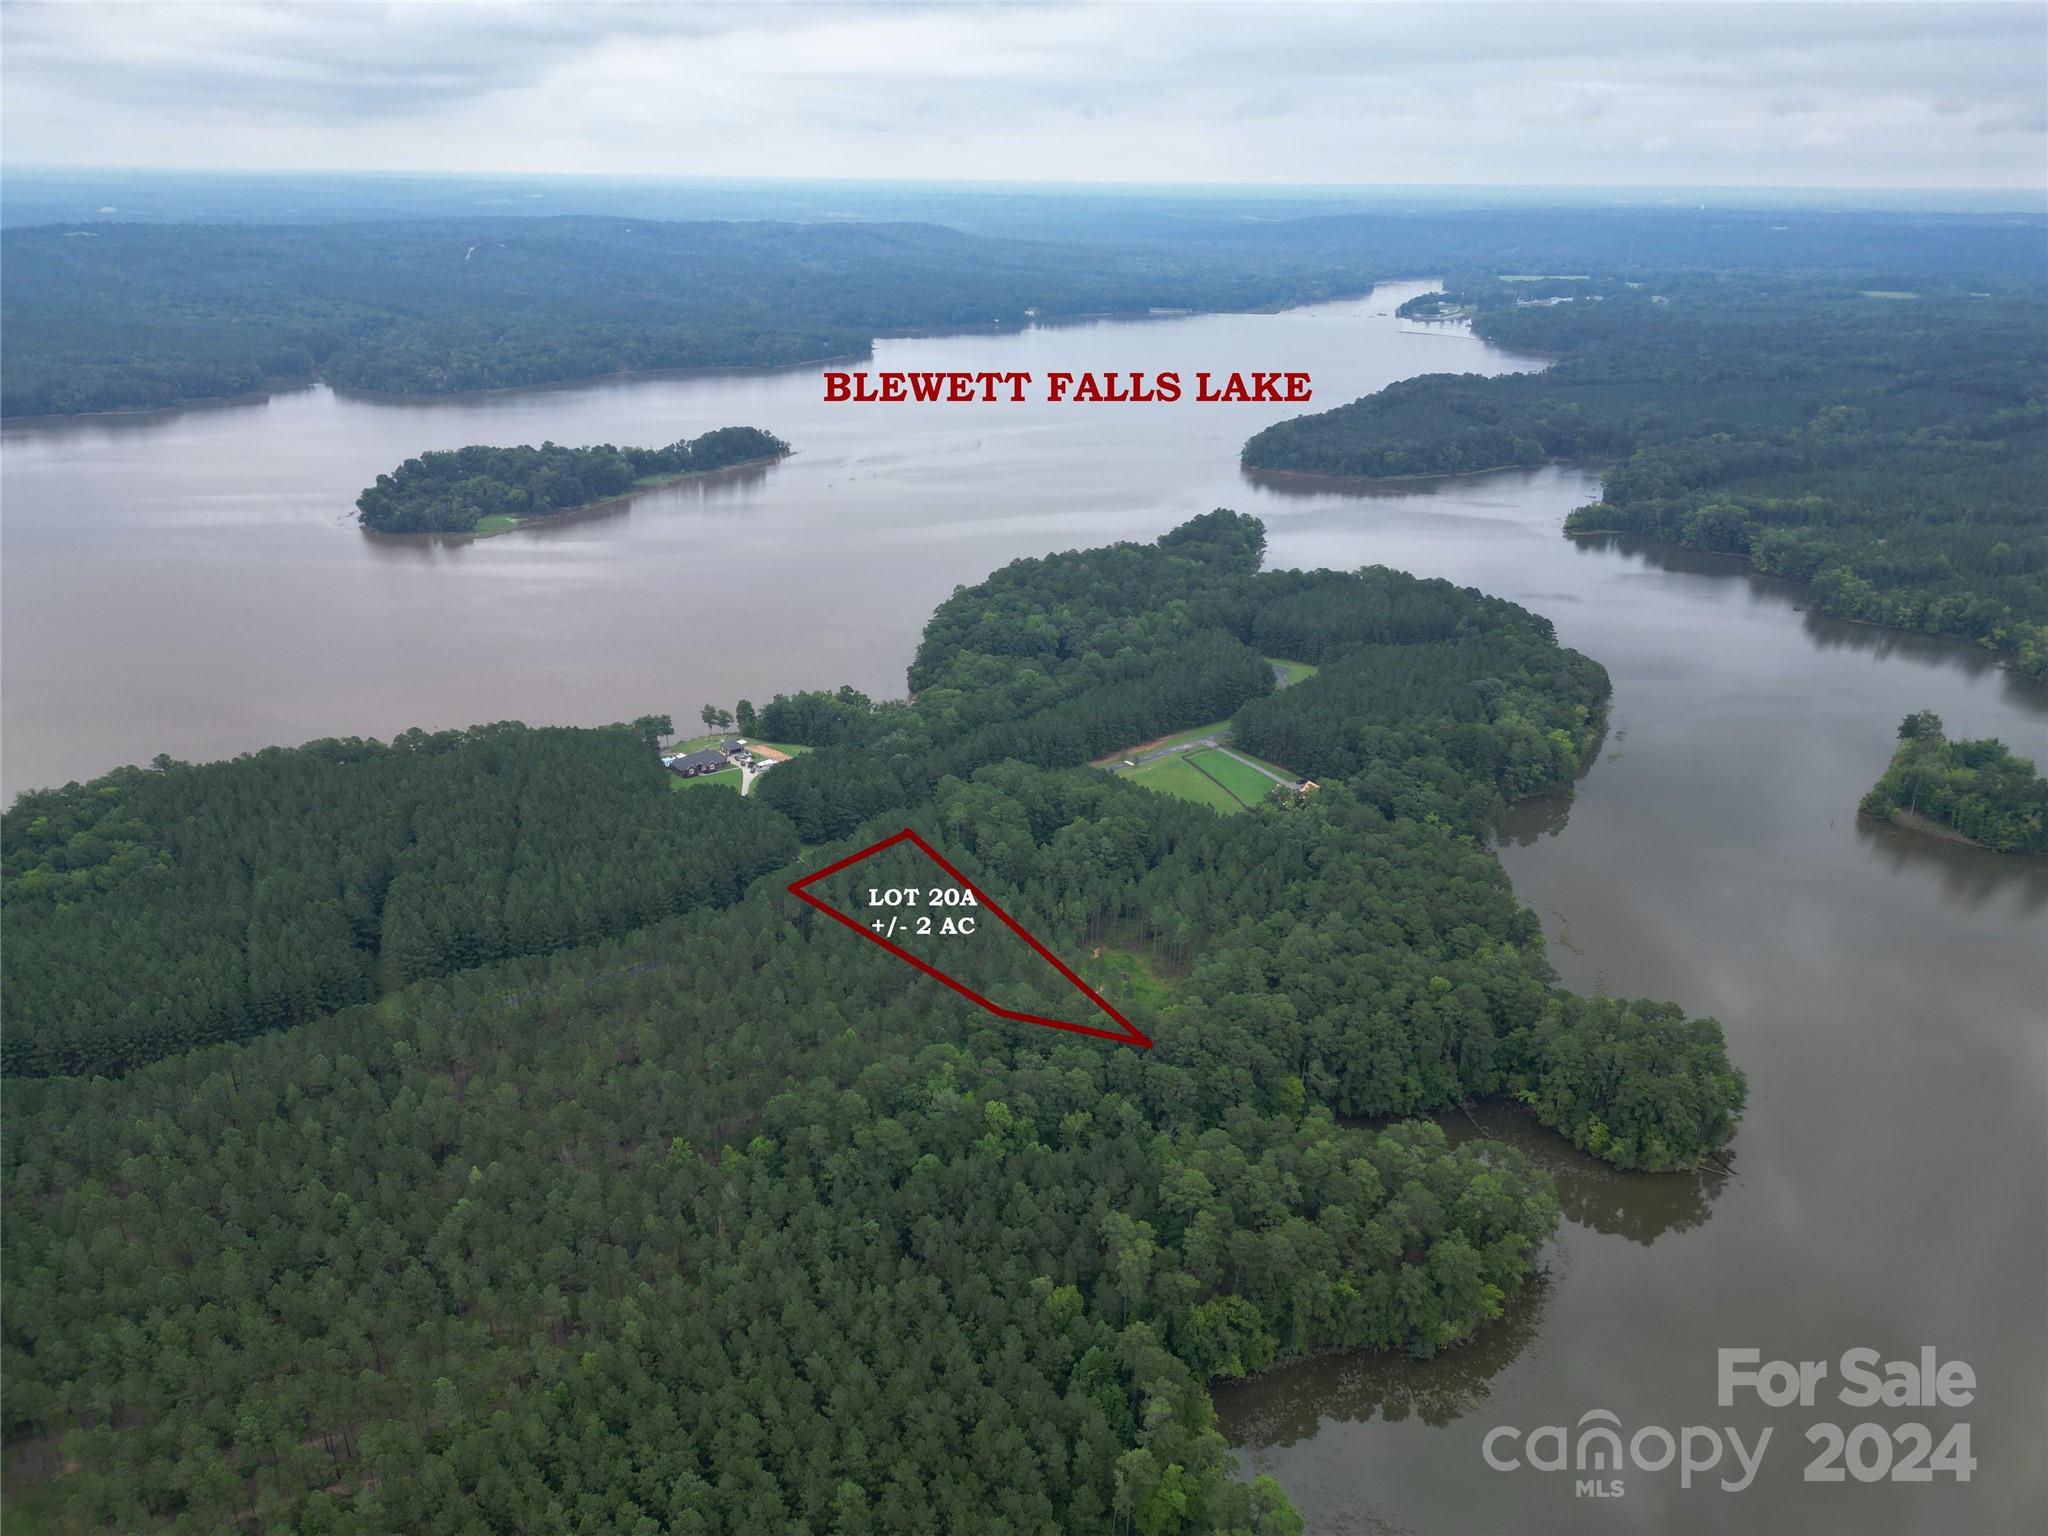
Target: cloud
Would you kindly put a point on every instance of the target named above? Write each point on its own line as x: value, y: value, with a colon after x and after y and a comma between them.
x: 336, y: 61
x: 1901, y: 95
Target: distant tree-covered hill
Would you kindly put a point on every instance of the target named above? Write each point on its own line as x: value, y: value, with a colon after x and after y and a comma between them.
x: 457, y: 490
x: 1888, y: 447
x: 105, y: 316
x: 115, y: 317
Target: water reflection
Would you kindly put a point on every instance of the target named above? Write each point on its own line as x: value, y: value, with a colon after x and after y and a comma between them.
x: 1540, y: 816
x: 1825, y: 632
x: 1293, y: 486
x: 727, y: 486
x: 1641, y: 1207
x: 1828, y: 633
x: 580, y: 391
x: 1290, y: 1403
x: 1537, y: 817
x: 110, y: 428
x: 1880, y: 989
x: 1970, y: 876
x: 1293, y: 1403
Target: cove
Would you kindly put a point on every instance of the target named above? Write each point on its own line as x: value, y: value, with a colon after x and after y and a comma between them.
x: 193, y: 583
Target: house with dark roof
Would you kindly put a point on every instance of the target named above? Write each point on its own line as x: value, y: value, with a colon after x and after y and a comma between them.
x: 690, y: 764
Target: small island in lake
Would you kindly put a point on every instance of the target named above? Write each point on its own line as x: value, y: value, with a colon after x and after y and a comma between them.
x: 1979, y: 791
x: 489, y: 490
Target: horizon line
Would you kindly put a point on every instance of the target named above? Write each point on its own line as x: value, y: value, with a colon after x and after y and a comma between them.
x: 2031, y: 189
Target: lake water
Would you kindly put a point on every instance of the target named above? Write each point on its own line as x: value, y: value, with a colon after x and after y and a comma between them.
x: 193, y: 583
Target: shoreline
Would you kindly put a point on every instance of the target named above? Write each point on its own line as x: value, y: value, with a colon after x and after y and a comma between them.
x: 689, y: 370
x: 1927, y: 826
x: 1337, y: 481
x: 2001, y: 660
x: 144, y: 412
x: 567, y: 514
x: 127, y: 413
x: 1917, y: 826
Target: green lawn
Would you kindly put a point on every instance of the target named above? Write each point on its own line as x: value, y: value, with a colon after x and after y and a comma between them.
x: 1265, y: 762
x: 1227, y: 785
x: 1297, y: 671
x: 497, y: 522
x: 1174, y: 776
x: 1240, y: 778
x: 729, y: 777
x: 791, y: 748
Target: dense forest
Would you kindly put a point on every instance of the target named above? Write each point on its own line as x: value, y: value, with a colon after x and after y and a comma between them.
x: 457, y: 490
x: 1981, y: 790
x: 624, y: 1197
x: 1433, y: 708
x: 1890, y: 449
x: 105, y: 316
x: 116, y: 317
x: 1438, y: 700
x: 156, y: 910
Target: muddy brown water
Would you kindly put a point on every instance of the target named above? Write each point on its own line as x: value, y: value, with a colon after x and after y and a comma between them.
x: 193, y: 583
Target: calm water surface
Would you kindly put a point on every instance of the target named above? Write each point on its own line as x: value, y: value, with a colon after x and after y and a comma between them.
x: 193, y: 583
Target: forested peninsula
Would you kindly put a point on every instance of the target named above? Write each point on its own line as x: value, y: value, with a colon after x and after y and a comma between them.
x: 509, y: 1119
x: 1979, y: 791
x: 490, y: 490
x: 1886, y: 444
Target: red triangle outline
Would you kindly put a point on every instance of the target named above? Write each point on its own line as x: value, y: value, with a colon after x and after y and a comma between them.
x: 1129, y: 1034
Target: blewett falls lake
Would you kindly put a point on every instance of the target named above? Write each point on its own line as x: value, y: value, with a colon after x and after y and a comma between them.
x: 194, y: 583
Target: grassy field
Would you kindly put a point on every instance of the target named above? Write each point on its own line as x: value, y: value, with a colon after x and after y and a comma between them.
x: 1297, y: 671
x: 1240, y: 778
x: 497, y: 522
x: 786, y: 748
x: 729, y: 777
x: 1176, y: 776
x: 1265, y: 762
x: 1208, y: 776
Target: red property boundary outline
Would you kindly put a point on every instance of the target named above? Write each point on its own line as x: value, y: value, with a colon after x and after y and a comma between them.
x: 1130, y: 1034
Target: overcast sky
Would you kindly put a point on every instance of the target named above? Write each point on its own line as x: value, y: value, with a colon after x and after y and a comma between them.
x: 1842, y: 95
